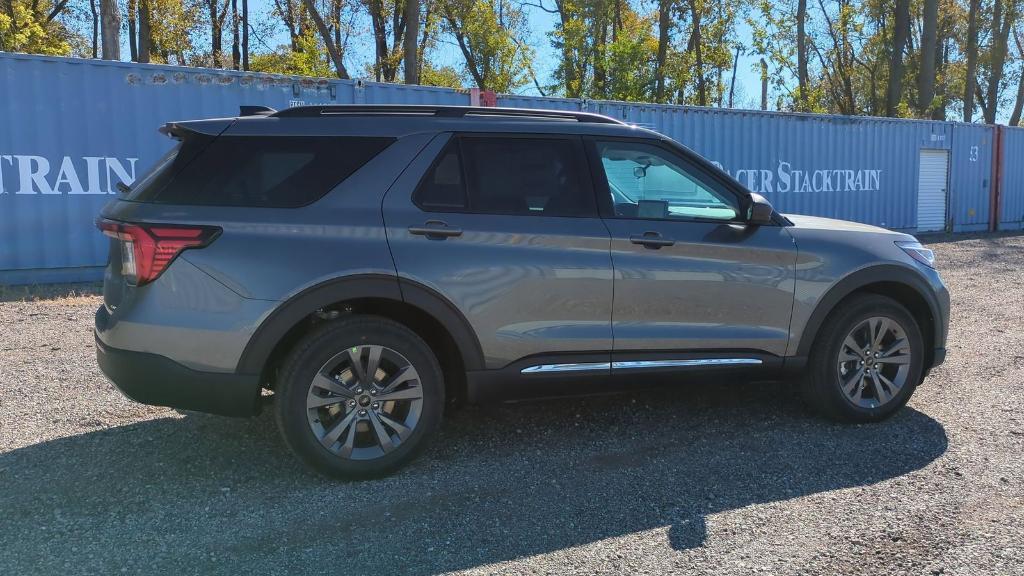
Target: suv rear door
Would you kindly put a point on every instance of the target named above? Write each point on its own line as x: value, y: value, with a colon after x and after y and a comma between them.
x: 506, y: 228
x: 691, y: 277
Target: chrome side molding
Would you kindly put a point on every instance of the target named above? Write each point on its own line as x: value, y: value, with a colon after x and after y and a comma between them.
x: 684, y: 363
x: 577, y: 367
x: 639, y: 364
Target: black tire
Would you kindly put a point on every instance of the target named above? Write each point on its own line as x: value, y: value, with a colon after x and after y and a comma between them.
x: 821, y: 385
x: 303, y: 363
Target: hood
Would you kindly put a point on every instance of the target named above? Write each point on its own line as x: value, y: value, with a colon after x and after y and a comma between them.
x: 816, y: 223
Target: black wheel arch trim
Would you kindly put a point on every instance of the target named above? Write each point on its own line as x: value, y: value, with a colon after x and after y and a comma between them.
x: 379, y: 286
x: 865, y: 277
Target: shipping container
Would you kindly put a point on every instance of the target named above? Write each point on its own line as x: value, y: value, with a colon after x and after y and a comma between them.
x: 71, y: 129
x: 1011, y: 191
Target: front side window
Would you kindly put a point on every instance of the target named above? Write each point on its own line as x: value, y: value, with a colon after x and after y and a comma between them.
x: 646, y: 181
x: 515, y: 176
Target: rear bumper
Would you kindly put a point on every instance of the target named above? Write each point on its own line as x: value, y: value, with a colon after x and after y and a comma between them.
x: 160, y: 381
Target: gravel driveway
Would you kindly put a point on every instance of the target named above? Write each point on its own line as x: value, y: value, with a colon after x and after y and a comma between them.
x: 696, y: 479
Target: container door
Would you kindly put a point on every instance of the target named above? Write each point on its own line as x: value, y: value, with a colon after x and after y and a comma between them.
x: 931, y: 190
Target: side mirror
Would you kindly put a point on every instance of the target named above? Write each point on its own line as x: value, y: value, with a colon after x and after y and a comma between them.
x: 760, y: 210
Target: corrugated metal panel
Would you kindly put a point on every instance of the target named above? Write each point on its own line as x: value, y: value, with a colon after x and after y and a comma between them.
x: 932, y: 182
x: 970, y: 177
x: 71, y: 128
x: 1011, y: 210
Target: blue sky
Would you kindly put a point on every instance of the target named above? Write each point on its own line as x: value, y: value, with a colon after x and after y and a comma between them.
x: 361, y: 52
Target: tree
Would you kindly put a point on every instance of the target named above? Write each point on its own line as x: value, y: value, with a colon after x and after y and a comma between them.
x: 387, y: 23
x: 333, y: 48
x: 661, y: 59
x: 34, y: 27
x: 900, y: 35
x: 1018, y: 104
x: 491, y: 36
x: 1003, y: 19
x: 306, y: 58
x: 802, y: 76
x: 110, y: 29
x: 412, y: 19
x: 971, y: 72
x: 929, y: 41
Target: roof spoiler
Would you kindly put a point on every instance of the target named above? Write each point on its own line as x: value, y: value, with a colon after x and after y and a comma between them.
x: 179, y: 130
x: 256, y: 111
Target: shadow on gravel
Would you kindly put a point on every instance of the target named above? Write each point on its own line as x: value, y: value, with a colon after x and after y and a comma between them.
x: 201, y: 494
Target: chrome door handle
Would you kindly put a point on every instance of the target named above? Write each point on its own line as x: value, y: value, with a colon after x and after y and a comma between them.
x: 651, y: 240
x: 435, y: 229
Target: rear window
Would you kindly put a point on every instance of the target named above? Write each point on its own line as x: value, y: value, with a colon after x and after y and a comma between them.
x: 273, y: 172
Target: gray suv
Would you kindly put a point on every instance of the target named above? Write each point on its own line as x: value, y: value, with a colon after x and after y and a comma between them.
x: 364, y: 266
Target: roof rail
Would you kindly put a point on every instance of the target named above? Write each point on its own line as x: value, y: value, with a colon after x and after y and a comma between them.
x: 441, y: 112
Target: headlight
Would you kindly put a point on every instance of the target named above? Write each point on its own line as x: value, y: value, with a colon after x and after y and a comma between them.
x: 918, y: 252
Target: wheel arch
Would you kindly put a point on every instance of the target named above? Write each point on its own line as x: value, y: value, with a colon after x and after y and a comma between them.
x: 423, y: 310
x: 896, y: 282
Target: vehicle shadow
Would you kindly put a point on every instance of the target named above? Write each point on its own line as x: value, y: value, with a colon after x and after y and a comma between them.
x: 202, y: 494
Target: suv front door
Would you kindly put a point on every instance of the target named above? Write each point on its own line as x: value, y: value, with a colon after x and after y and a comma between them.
x: 506, y: 228
x: 691, y: 277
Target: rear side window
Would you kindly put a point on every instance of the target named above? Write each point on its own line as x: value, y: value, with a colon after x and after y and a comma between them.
x: 273, y: 172
x: 516, y: 176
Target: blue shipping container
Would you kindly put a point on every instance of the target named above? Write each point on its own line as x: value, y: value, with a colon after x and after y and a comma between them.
x: 71, y: 129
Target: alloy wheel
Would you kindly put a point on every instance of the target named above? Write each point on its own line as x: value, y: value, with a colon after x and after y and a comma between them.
x: 364, y: 402
x: 874, y: 362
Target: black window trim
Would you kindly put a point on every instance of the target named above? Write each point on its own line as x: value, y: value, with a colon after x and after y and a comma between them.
x: 580, y: 154
x: 686, y: 158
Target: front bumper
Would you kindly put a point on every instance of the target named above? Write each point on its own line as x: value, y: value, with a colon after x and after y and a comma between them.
x: 160, y: 381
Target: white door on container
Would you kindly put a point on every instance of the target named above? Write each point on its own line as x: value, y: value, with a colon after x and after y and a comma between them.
x: 931, y: 190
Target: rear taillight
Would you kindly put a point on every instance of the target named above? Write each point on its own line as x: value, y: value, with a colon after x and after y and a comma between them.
x: 148, y: 249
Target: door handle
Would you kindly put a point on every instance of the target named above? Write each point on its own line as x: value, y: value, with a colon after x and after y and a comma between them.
x: 652, y: 240
x: 435, y: 229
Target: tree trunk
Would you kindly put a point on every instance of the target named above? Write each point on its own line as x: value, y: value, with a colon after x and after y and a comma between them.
x: 764, y: 85
x: 801, y: 54
x: 236, y: 52
x: 145, y: 32
x: 732, y: 83
x: 412, y: 34
x: 325, y: 35
x: 901, y: 29
x: 929, y: 40
x: 664, y: 24
x: 1001, y: 24
x: 1018, y: 104
x: 695, y: 39
x: 133, y: 46
x: 95, y: 29
x: 110, y: 26
x: 216, y: 46
x: 245, y: 35
x: 971, y: 73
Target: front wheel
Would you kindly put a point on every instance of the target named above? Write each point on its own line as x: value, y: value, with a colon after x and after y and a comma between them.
x: 866, y: 362
x: 359, y: 397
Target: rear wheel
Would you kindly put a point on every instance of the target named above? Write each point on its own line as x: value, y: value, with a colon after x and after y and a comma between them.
x: 866, y: 361
x: 359, y: 397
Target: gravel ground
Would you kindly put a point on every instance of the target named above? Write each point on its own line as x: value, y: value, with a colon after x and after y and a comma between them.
x: 697, y: 479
